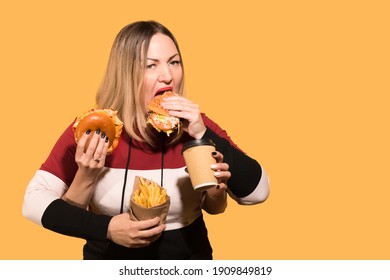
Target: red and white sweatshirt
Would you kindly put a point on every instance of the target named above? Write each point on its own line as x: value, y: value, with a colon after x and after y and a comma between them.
x: 44, y: 206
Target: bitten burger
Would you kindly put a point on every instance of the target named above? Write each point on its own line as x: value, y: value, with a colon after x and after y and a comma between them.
x: 159, y: 118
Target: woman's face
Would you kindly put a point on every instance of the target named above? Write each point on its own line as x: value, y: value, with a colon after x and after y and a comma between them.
x: 163, y: 67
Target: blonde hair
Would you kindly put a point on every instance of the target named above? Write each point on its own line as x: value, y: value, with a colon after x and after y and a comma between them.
x: 122, y: 86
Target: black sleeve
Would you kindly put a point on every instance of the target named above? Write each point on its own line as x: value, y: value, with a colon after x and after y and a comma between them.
x: 70, y: 220
x: 245, y: 171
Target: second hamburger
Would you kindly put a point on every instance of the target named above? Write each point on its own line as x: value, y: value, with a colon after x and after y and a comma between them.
x: 105, y: 120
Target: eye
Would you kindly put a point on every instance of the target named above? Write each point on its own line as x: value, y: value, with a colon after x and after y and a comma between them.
x: 151, y: 66
x: 174, y: 62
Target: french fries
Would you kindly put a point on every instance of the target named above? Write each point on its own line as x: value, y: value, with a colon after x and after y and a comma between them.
x: 149, y: 194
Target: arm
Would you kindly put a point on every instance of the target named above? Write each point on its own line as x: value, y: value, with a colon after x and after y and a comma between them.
x: 43, y: 204
x: 248, y: 183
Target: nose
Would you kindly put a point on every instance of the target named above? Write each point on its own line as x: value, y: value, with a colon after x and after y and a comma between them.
x: 165, y: 75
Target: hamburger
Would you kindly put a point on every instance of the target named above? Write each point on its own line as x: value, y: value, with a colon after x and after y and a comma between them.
x: 160, y: 118
x: 104, y: 119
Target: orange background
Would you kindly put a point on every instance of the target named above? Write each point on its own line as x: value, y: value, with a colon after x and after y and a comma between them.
x: 302, y: 86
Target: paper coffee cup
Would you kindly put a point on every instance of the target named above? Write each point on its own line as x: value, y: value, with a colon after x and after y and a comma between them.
x: 198, y: 158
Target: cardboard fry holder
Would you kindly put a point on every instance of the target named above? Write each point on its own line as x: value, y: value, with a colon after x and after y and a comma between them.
x: 139, y: 212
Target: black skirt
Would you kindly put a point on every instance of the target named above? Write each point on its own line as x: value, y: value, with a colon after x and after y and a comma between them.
x: 188, y: 243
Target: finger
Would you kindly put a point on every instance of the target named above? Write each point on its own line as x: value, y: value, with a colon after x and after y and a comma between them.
x: 183, y: 106
x: 151, y: 232
x: 82, y: 142
x: 138, y: 243
x: 184, y: 112
x: 222, y: 175
x: 176, y: 98
x: 218, y: 156
x: 180, y: 106
x: 143, y: 241
x: 101, y: 150
x: 222, y: 186
x: 93, y: 144
x: 223, y: 166
x: 106, y: 145
x: 146, y: 224
x: 151, y: 227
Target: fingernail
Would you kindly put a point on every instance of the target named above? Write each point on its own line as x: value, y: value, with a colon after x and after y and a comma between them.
x: 103, y: 135
x: 106, y: 139
x: 98, y: 131
x: 213, y: 166
x: 88, y: 131
x: 217, y: 173
x: 214, y: 153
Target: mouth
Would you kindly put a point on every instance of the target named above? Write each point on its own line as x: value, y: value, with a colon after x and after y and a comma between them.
x: 162, y: 90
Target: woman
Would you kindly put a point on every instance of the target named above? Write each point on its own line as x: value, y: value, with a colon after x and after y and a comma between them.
x: 76, y: 195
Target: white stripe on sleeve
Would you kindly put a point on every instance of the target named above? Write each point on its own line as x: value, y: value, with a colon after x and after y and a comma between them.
x: 259, y: 195
x: 42, y: 190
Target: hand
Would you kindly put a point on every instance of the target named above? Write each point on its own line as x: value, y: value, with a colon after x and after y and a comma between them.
x: 222, y: 174
x: 91, y: 159
x: 215, y: 199
x: 181, y: 107
x: 134, y: 234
